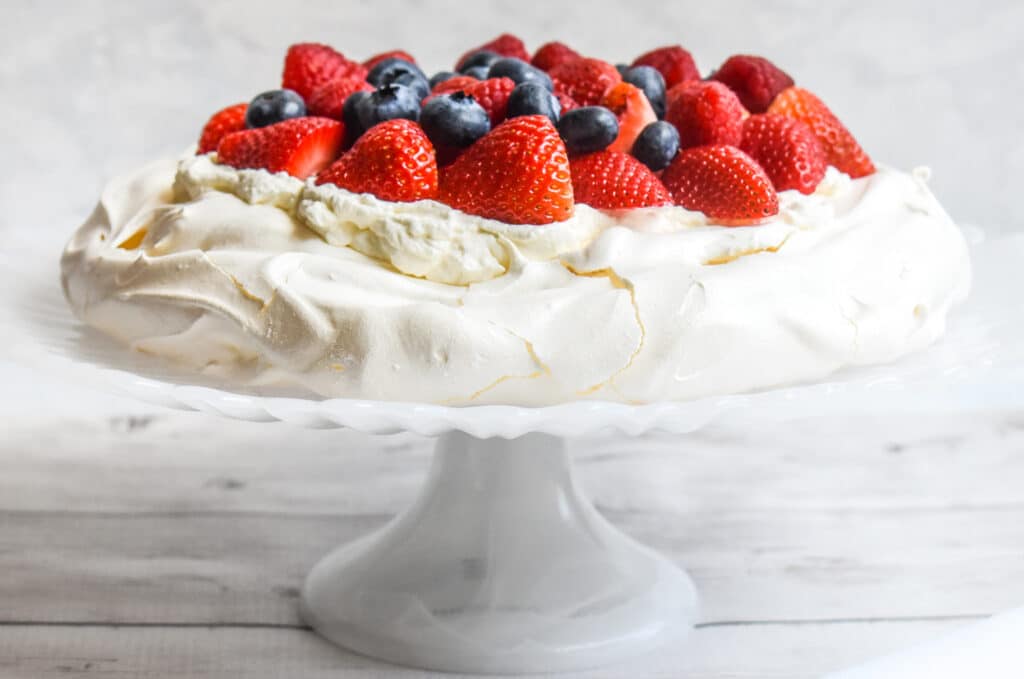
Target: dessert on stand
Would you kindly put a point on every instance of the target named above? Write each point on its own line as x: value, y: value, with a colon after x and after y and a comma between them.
x: 523, y: 249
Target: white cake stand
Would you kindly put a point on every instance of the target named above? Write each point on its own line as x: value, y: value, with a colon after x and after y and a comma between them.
x: 501, y: 565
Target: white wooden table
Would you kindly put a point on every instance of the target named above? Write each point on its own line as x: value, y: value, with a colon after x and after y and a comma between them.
x: 174, y: 544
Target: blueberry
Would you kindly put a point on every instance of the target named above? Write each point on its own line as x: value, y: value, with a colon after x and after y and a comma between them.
x: 622, y: 68
x: 478, y: 72
x: 648, y: 79
x: 480, y: 58
x: 273, y: 107
x: 350, y: 116
x: 657, y: 145
x: 387, y: 103
x: 587, y: 129
x: 529, y: 99
x: 519, y: 72
x: 385, y: 71
x: 440, y: 77
x: 416, y: 83
x: 454, y: 120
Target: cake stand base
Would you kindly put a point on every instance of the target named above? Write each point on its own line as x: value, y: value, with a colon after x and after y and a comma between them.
x: 501, y: 566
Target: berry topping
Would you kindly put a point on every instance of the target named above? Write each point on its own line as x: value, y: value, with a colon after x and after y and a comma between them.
x: 273, y: 107
x: 518, y: 173
x: 723, y: 182
x: 440, y: 77
x: 220, y: 124
x: 299, y: 146
x: 393, y: 161
x: 377, y: 58
x: 787, y: 150
x: 387, y: 103
x: 657, y: 145
x: 651, y: 82
x: 504, y: 45
x: 551, y: 54
x: 841, y: 149
x: 633, y: 110
x: 609, y: 180
x: 705, y: 113
x: 585, y: 80
x: 518, y: 71
x: 588, y: 129
x: 674, y: 63
x: 308, y: 66
x: 329, y: 100
x: 530, y: 99
x: 755, y: 80
x: 454, y: 120
x: 478, y: 59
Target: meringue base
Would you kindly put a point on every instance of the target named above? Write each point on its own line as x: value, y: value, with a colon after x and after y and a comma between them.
x: 267, y: 281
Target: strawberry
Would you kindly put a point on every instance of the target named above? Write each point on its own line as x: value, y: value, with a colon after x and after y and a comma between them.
x: 454, y: 84
x: 611, y: 180
x: 393, y: 160
x: 551, y: 54
x: 585, y: 80
x: 631, y: 107
x: 506, y: 45
x: 674, y: 63
x: 755, y: 80
x: 841, y: 150
x: 222, y: 123
x: 723, y: 182
x: 308, y: 66
x: 518, y: 173
x: 299, y: 146
x: 377, y: 58
x: 705, y: 113
x: 787, y: 150
x: 328, y: 99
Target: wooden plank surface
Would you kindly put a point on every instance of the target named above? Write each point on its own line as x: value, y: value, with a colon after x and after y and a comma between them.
x: 815, y: 544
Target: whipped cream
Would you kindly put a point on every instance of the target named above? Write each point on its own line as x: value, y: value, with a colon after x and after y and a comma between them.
x: 268, y: 280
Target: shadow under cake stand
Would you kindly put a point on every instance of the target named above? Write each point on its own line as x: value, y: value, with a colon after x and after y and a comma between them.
x: 502, y: 565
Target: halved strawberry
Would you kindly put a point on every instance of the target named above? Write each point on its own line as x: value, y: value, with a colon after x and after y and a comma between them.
x: 551, y: 54
x: 705, y: 113
x: 674, y: 63
x: 328, y: 99
x: 841, y: 149
x: 787, y: 150
x: 308, y: 66
x: 506, y: 44
x: 630, y: 105
x: 221, y: 124
x: 755, y: 80
x: 585, y: 80
x: 393, y: 160
x: 518, y: 173
x: 299, y: 146
x: 723, y: 182
x: 377, y: 58
x: 611, y: 180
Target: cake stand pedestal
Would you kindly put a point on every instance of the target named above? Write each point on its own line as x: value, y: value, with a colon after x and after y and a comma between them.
x: 500, y: 566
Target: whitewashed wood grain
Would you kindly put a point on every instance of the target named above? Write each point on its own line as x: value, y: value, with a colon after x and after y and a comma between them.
x: 767, y: 652
x: 815, y: 544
